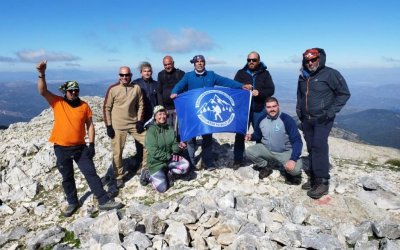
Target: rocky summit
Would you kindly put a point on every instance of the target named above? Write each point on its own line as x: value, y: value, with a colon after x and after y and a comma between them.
x: 222, y: 209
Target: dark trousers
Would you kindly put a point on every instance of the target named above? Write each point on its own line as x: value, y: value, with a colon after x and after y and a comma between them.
x: 79, y: 154
x: 206, y: 152
x: 238, y: 148
x: 316, y: 137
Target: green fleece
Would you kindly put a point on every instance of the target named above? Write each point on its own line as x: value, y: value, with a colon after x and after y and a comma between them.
x: 160, y: 143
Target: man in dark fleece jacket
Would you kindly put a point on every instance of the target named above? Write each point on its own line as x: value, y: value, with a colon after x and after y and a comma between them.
x: 321, y: 93
x: 280, y: 142
x: 255, y: 73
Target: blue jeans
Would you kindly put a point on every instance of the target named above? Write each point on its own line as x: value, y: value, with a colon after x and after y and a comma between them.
x: 316, y: 137
x: 79, y: 154
x: 238, y: 148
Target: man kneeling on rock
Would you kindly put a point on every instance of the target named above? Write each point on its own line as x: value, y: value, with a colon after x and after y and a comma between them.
x: 280, y: 142
x: 71, y: 116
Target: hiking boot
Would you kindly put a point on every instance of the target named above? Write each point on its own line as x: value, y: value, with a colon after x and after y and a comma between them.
x: 264, y: 172
x: 144, y: 177
x: 237, y: 164
x: 120, y: 184
x: 210, y: 167
x: 307, y: 185
x: 293, y: 180
x: 109, y: 205
x: 190, y: 175
x: 319, y: 189
x: 71, y: 209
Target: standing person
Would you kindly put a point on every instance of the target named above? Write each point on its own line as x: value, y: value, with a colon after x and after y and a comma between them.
x: 149, y: 91
x: 255, y: 73
x: 167, y: 78
x: 321, y: 93
x: 280, y: 141
x: 123, y: 111
x: 200, y: 78
x: 71, y: 115
x: 163, y: 153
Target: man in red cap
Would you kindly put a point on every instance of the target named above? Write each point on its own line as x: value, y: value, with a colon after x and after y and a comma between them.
x: 321, y: 93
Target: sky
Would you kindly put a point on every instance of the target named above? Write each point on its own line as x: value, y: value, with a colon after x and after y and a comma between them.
x: 100, y: 36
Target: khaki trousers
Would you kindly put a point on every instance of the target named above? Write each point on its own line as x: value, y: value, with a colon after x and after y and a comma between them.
x: 118, y: 144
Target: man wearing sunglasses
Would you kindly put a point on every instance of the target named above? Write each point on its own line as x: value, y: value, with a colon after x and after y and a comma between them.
x: 321, y: 93
x: 123, y: 111
x: 71, y: 117
x: 255, y: 73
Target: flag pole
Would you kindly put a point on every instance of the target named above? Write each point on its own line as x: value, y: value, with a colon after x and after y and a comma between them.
x: 248, y: 113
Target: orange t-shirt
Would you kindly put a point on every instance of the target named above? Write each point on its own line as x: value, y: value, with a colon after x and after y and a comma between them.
x: 69, y: 123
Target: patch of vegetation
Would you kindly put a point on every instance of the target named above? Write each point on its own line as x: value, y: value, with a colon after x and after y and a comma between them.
x: 394, y: 162
x: 70, y: 239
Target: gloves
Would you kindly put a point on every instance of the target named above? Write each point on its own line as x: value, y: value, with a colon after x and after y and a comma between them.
x: 139, y: 127
x: 110, y: 132
x: 91, y: 150
x: 324, y: 119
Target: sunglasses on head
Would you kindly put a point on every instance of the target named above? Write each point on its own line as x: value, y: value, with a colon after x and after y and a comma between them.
x: 126, y: 75
x: 252, y: 60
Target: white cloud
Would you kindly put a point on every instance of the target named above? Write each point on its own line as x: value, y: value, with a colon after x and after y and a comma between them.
x: 187, y: 40
x: 7, y: 59
x: 41, y: 54
x: 390, y: 59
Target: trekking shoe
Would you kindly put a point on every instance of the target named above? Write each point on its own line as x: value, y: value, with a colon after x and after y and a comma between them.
x: 190, y: 175
x: 120, y: 184
x: 264, y: 172
x: 237, y: 164
x: 319, y: 189
x: 109, y: 205
x: 209, y: 167
x: 293, y: 180
x: 70, y: 210
x: 307, y: 185
x: 144, y: 177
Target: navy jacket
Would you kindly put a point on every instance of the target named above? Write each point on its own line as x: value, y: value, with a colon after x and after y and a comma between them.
x: 323, y: 92
x: 279, y: 134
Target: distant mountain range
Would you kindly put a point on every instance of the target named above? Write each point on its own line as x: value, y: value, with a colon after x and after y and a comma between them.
x: 374, y: 126
x: 20, y: 101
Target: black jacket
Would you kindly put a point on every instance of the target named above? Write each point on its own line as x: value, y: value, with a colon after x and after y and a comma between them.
x: 320, y: 93
x: 149, y: 91
x: 166, y: 82
x: 261, y: 81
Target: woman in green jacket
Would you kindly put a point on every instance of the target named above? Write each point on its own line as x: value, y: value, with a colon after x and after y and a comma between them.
x: 163, y: 150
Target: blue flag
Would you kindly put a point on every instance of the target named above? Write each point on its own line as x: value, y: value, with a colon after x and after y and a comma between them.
x: 212, y: 110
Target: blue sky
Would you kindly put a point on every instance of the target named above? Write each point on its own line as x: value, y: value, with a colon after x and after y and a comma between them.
x: 100, y: 36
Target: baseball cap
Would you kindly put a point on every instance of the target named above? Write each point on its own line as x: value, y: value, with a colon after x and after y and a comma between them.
x: 198, y: 58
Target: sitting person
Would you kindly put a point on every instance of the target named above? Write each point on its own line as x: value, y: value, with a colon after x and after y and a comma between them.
x: 280, y: 142
x: 162, y: 147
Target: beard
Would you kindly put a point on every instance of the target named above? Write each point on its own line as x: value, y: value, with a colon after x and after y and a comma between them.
x: 75, y: 102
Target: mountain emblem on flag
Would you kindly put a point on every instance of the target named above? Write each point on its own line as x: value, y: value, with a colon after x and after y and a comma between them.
x: 215, y: 108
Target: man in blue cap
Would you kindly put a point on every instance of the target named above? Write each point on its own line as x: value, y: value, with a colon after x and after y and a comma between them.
x: 201, y: 78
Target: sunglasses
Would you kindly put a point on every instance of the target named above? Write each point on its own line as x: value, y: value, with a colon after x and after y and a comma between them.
x: 73, y: 90
x: 126, y: 75
x: 312, y: 60
x: 252, y: 60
